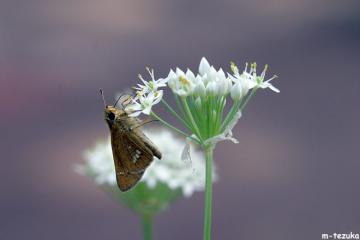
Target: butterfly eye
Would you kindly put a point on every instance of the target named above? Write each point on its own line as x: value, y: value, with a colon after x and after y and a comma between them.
x: 111, y: 116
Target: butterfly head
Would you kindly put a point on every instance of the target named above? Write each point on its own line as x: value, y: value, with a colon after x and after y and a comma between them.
x: 111, y: 114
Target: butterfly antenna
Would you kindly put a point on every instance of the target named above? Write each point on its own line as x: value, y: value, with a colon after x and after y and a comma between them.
x: 103, y: 98
x: 116, y: 102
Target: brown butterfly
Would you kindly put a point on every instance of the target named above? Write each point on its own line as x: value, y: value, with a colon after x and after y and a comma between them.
x: 132, y: 150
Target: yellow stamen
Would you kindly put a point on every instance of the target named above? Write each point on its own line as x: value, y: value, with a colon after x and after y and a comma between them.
x: 233, y: 67
x: 183, y: 80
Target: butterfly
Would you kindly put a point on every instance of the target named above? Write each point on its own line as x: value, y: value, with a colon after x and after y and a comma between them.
x: 132, y: 151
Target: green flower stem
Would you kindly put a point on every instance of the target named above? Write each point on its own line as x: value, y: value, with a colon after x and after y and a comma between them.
x: 211, y: 116
x: 243, y: 105
x: 190, y: 116
x: 219, y: 113
x: 179, y: 105
x: 175, y: 113
x: 193, y: 112
x: 208, y: 191
x: 173, y: 128
x: 230, y: 115
x: 147, y: 226
x: 208, y: 122
x: 196, y: 111
x: 185, y: 117
x: 238, y: 106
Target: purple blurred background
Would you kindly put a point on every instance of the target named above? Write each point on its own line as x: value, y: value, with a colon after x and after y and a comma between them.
x: 295, y: 173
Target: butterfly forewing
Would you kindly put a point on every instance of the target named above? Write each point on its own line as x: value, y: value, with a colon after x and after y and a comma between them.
x: 131, y: 154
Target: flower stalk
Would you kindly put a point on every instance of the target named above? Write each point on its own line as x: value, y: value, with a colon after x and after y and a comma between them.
x: 147, y: 224
x: 208, y: 191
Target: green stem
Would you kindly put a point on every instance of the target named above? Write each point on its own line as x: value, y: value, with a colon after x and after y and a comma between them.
x: 230, y: 115
x: 243, y: 105
x: 173, y: 128
x: 179, y: 105
x: 175, y: 113
x: 147, y: 226
x: 191, y: 118
x: 208, y: 192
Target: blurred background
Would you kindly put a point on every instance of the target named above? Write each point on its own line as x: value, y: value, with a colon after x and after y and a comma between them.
x: 295, y: 173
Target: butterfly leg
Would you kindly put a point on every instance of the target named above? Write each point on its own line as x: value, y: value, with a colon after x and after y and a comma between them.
x: 146, y: 121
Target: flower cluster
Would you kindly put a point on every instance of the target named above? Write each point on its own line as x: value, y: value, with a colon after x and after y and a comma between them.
x: 201, y: 98
x: 207, y: 82
x: 170, y: 170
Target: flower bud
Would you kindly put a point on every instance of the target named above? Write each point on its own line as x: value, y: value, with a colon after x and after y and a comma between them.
x: 199, y: 89
x: 237, y: 91
x: 198, y: 102
x: 211, y: 88
x: 204, y: 66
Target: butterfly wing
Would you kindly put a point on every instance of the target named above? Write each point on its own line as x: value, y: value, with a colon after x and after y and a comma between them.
x: 131, y: 157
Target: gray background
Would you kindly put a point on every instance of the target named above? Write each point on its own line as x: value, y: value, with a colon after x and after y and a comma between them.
x: 294, y: 174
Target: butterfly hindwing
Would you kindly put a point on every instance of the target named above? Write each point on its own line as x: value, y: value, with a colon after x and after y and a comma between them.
x: 140, y: 155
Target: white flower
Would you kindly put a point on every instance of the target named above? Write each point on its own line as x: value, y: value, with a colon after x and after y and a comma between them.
x: 181, y: 83
x: 199, y: 89
x: 210, y: 76
x: 99, y: 164
x: 208, y: 81
x: 204, y: 66
x: 150, y: 86
x: 224, y: 84
x: 144, y: 103
x: 211, y: 88
x: 251, y: 80
x: 239, y: 90
x: 216, y: 82
x: 170, y: 170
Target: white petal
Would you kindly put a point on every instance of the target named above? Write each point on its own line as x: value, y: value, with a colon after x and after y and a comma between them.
x: 174, y: 183
x: 204, y: 66
x: 221, y: 74
x: 269, y: 85
x: 236, y: 92
x: 151, y: 182
x: 135, y: 114
x: 162, y: 82
x: 158, y: 97
x: 190, y: 75
x: 211, y: 88
x: 212, y: 74
x: 199, y: 89
x: 133, y: 107
x: 228, y: 85
x: 188, y: 190
x: 171, y: 74
x: 179, y: 72
x: 274, y: 88
x: 147, y: 110
x: 149, y: 98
